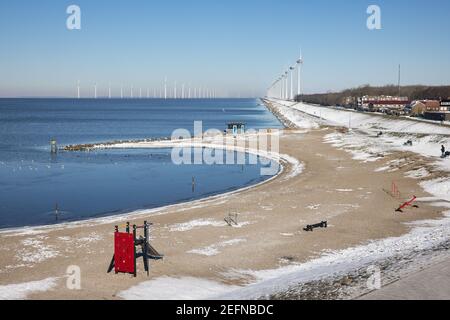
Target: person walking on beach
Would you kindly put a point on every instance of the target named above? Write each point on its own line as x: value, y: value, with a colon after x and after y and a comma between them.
x: 443, y: 151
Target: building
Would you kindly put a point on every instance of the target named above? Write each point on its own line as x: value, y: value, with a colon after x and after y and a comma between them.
x: 236, y: 128
x: 350, y: 102
x: 419, y: 107
x: 445, y: 105
x: 440, y: 112
x: 386, y: 104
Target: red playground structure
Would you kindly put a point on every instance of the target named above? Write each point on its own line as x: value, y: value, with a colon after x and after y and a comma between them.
x: 407, y: 204
x: 125, y: 250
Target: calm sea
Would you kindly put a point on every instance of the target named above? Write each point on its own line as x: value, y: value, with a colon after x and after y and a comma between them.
x: 92, y: 184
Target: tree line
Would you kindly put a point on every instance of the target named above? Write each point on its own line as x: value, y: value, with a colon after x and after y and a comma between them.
x: 417, y: 92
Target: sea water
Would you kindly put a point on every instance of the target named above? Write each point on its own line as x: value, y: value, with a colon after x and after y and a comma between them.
x: 34, y: 184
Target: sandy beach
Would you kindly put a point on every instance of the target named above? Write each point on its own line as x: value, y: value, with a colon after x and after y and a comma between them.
x: 205, y: 258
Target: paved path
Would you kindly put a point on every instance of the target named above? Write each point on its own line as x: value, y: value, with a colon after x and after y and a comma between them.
x: 430, y: 284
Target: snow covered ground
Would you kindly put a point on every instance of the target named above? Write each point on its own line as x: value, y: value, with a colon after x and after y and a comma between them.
x: 166, y: 288
x: 22, y: 290
x: 366, y: 121
x: 363, y: 144
x: 425, y: 235
x: 362, y: 140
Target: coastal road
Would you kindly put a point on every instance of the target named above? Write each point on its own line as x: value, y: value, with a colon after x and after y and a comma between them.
x: 429, y: 284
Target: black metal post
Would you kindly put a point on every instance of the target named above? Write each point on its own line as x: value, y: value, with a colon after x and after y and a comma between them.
x: 134, y: 238
x: 145, y: 248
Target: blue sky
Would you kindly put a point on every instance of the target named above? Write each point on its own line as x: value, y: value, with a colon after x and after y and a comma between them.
x: 234, y: 46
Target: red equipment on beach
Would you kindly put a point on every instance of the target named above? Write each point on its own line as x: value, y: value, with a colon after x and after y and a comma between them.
x: 406, y: 204
x: 125, y: 250
x: 395, y: 192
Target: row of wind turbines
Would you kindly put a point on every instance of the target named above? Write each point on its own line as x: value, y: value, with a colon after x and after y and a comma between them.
x: 283, y: 86
x: 163, y: 92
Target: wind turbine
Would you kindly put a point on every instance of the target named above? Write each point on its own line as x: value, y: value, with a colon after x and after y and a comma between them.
x: 131, y: 92
x: 175, y: 90
x: 286, y: 93
x: 165, y: 88
x: 78, y: 89
x: 182, y: 91
x: 291, y: 97
x: 109, y: 91
x: 121, y: 92
x: 95, y: 91
x: 299, y: 70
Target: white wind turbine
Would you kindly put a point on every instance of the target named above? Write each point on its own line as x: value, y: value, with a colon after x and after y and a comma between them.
x: 282, y: 86
x: 291, y: 97
x: 78, y: 89
x: 286, y: 93
x: 175, y: 90
x: 299, y: 70
x: 165, y: 88
x: 95, y: 91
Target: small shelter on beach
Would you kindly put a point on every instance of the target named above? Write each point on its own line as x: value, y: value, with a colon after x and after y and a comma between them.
x: 236, y: 128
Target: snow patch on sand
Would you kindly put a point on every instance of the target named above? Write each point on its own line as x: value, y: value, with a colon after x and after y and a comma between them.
x: 22, y: 290
x: 35, y: 251
x: 93, y: 237
x: 297, y: 166
x: 440, y: 188
x: 199, y: 223
x: 166, y: 288
x: 418, y: 174
x: 213, y: 250
x: 344, y: 190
